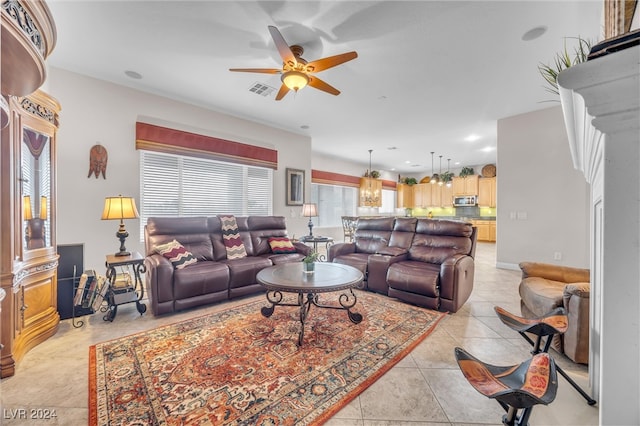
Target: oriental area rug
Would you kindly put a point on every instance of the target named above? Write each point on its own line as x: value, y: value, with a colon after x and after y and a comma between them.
x: 236, y: 367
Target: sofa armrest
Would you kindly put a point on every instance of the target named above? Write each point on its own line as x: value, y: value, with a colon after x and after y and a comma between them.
x: 576, y: 339
x: 377, y: 268
x: 456, y: 281
x: 159, y: 280
x: 563, y: 274
x: 340, y: 249
x: 302, y: 248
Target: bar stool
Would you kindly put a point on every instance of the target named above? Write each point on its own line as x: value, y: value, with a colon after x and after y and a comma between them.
x: 516, y: 387
x: 555, y: 322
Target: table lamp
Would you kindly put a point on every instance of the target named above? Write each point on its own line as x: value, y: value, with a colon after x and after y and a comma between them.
x: 120, y: 208
x: 310, y: 210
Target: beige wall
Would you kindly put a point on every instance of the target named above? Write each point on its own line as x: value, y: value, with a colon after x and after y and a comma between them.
x: 542, y: 199
x: 95, y: 111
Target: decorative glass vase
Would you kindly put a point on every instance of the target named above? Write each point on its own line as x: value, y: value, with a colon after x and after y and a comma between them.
x: 308, y: 268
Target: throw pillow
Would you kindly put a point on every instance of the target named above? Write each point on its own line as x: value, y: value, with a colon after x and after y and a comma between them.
x: 281, y: 245
x: 231, y: 236
x: 179, y: 256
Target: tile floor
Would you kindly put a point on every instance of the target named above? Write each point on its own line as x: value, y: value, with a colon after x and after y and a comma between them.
x: 425, y: 388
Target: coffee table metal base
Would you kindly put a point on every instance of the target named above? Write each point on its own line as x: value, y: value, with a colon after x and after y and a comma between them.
x: 346, y: 300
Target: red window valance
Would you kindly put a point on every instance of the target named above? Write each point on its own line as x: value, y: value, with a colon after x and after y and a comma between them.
x: 329, y: 178
x: 162, y: 139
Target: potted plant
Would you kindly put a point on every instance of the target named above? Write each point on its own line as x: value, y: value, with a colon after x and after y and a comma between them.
x: 466, y: 171
x: 562, y: 61
x: 410, y: 181
x: 308, y: 262
x: 446, y: 177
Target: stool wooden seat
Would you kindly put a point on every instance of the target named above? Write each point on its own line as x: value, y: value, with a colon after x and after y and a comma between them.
x: 555, y: 322
x: 516, y: 387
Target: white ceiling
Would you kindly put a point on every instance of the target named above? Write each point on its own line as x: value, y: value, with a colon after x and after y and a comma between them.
x: 428, y: 73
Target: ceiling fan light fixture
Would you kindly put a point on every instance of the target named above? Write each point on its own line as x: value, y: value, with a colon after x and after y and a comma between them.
x: 295, y: 80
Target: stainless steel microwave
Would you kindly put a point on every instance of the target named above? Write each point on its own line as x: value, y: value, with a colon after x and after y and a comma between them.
x: 466, y: 200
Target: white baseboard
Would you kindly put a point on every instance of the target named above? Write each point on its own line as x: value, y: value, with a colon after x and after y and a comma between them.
x: 504, y: 265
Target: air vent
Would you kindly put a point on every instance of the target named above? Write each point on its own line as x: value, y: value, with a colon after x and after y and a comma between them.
x: 261, y: 89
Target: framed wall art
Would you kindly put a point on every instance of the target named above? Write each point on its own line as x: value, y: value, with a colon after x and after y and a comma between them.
x: 295, y: 187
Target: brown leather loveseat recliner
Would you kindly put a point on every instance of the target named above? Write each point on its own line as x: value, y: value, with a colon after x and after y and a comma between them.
x: 426, y: 262
x: 545, y: 287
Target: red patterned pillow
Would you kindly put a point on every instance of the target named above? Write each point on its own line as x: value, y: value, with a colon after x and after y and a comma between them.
x: 281, y: 245
x: 179, y: 256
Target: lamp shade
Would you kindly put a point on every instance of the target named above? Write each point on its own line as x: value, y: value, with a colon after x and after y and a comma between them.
x: 119, y: 208
x: 43, y: 208
x: 309, y: 210
x: 294, y: 80
x: 26, y: 207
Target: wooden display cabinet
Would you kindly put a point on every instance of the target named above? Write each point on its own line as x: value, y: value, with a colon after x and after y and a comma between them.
x: 29, y: 259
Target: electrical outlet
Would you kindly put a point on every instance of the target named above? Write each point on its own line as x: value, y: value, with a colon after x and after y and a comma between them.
x: 557, y: 256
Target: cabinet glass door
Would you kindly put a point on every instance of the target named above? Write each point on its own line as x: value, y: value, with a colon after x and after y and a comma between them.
x: 36, y: 189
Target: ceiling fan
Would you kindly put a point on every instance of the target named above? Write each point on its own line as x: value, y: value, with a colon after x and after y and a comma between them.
x: 296, y: 71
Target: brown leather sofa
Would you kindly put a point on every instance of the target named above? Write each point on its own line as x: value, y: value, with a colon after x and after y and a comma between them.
x: 214, y: 277
x: 427, y: 262
x: 545, y: 287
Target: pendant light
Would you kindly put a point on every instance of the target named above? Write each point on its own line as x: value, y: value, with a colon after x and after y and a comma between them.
x: 435, y: 178
x: 440, y: 182
x: 450, y: 181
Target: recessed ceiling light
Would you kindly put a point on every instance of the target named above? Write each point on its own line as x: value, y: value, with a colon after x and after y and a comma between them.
x: 472, y: 138
x: 407, y: 162
x: 488, y: 149
x: 133, y: 74
x: 457, y: 163
x: 391, y: 148
x: 534, y: 33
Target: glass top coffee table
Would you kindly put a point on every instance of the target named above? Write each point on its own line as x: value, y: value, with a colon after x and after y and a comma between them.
x: 327, y: 277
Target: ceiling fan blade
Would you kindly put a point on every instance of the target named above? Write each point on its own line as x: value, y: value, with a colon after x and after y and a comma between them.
x: 331, y: 61
x: 282, y: 92
x: 260, y: 70
x: 283, y: 48
x: 315, y: 82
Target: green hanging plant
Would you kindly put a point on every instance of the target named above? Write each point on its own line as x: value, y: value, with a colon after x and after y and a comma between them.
x: 562, y: 61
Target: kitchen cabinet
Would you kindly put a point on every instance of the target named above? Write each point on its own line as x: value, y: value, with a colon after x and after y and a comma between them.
x: 465, y: 185
x: 486, y: 229
x: 404, y: 196
x: 426, y: 195
x: 487, y: 192
x: 446, y: 196
x: 422, y: 195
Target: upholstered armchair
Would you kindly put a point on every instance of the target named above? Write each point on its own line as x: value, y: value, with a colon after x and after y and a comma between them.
x: 545, y: 287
